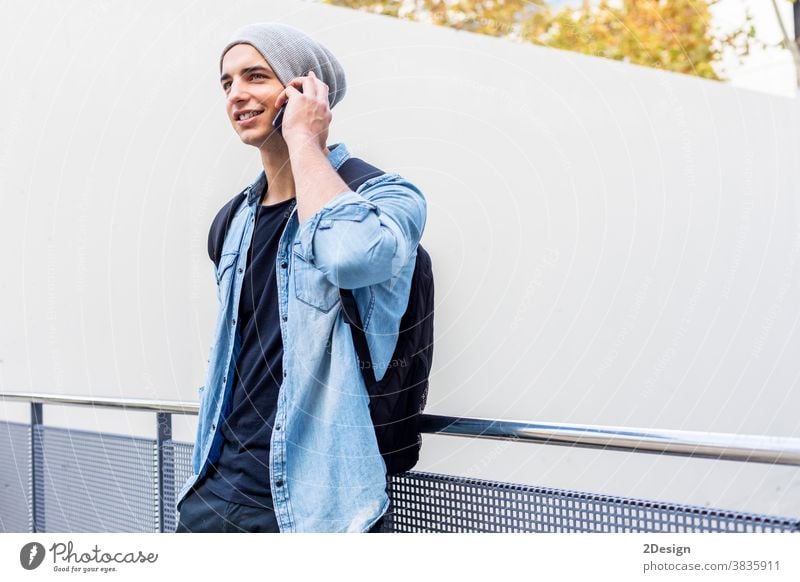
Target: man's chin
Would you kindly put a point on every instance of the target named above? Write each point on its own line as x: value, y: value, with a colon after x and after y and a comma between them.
x: 256, y: 138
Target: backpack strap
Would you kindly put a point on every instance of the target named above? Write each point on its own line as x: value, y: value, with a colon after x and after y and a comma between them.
x: 353, y: 319
x: 355, y: 171
x: 220, y: 225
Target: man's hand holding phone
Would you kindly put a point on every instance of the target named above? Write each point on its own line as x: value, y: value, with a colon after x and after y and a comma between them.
x: 304, y: 114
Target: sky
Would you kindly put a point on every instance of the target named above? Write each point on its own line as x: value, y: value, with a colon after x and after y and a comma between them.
x: 771, y: 71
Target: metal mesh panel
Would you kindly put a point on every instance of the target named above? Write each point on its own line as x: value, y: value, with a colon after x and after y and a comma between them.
x: 426, y: 502
x: 95, y: 482
x: 177, y: 470
x: 15, y: 477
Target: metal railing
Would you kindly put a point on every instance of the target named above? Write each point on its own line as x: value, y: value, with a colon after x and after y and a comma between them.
x: 630, y: 514
x: 681, y: 443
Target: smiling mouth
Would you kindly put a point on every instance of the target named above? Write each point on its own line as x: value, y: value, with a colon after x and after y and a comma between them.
x: 248, y: 117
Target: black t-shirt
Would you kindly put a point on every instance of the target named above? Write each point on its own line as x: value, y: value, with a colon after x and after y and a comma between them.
x: 241, y: 474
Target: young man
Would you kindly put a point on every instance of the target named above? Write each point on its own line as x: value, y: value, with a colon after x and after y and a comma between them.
x: 285, y: 441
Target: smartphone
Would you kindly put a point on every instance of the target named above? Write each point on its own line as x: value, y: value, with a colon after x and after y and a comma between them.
x: 278, y: 121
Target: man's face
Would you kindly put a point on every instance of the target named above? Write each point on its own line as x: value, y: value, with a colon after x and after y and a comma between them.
x: 249, y: 85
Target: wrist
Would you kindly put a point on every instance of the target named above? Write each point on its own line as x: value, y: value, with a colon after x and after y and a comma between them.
x: 302, y: 142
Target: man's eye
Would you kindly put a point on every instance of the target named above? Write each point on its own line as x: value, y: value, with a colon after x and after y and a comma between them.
x: 227, y: 84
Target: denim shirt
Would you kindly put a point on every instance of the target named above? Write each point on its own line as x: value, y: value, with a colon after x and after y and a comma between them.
x: 325, y: 471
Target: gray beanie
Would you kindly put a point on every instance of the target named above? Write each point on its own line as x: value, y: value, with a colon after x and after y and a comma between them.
x: 292, y: 53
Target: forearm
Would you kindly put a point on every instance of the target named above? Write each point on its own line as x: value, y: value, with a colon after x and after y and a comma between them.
x: 365, y: 237
x: 316, y: 182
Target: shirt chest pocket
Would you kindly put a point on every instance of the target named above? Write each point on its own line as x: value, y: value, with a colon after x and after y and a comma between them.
x: 311, y: 286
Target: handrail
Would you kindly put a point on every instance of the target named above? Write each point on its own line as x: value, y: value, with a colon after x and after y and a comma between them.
x: 707, y: 445
x: 142, y: 404
x: 682, y: 443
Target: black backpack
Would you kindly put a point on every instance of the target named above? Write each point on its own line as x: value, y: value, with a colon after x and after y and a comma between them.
x: 398, y: 399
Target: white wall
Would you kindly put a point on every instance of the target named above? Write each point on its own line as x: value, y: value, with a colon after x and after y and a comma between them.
x: 612, y: 244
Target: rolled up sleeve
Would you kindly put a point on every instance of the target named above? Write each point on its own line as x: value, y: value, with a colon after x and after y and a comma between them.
x: 364, y: 238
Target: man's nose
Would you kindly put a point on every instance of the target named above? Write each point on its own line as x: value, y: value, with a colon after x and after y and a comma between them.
x: 236, y: 93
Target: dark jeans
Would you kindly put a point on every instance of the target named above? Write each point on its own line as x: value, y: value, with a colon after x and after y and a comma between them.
x: 204, y: 512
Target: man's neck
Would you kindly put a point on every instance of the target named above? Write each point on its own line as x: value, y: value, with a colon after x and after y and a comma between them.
x: 278, y: 169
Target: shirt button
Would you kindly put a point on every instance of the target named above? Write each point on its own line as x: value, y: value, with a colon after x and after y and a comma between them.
x: 213, y: 427
x: 285, y: 317
x: 240, y: 270
x: 233, y: 321
x: 284, y: 373
x: 224, y: 379
x: 284, y: 264
x: 278, y: 426
x: 278, y: 483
